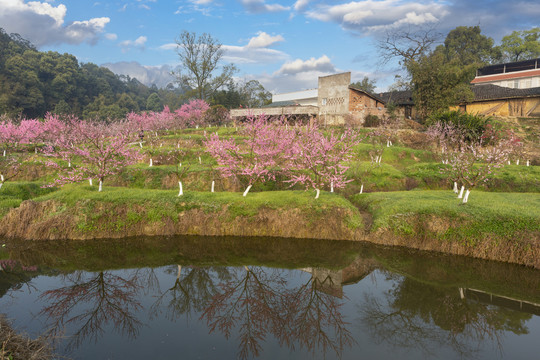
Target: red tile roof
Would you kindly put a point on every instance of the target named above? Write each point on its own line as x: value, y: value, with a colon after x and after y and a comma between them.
x: 512, y: 75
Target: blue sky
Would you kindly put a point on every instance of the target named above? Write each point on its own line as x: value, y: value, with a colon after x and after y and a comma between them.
x: 285, y: 45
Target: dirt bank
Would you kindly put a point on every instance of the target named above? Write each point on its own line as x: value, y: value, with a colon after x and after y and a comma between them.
x: 90, y: 219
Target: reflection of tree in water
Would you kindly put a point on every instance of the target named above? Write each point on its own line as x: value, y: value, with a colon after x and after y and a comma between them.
x: 416, y: 315
x: 190, y: 291
x: 258, y: 302
x: 315, y: 319
x: 90, y: 304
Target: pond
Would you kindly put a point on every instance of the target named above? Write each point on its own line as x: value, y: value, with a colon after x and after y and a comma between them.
x: 266, y: 298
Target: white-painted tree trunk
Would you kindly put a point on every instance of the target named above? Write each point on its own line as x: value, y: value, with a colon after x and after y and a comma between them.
x: 461, y: 192
x: 196, y: 126
x: 331, y: 186
x: 318, y: 193
x: 4, y: 152
x: 100, y: 185
x: 517, y: 162
x: 380, y: 159
x: 466, y: 197
x: 213, y: 183
x: 69, y: 163
x: 509, y: 162
x: 528, y: 163
x: 1, y: 183
x: 455, y: 187
x: 161, y: 145
x: 151, y: 163
x: 1, y: 177
x: 362, y: 189
x: 140, y: 144
x: 35, y: 150
x: 247, y: 190
x: 200, y: 161
x: 90, y: 182
x: 387, y: 143
x: 181, y: 190
x: 391, y: 144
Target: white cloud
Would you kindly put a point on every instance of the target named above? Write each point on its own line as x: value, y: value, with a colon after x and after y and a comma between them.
x: 139, y: 42
x: 148, y: 75
x: 300, y: 5
x: 249, y: 55
x: 201, y: 2
x: 259, y: 6
x: 322, y: 64
x: 169, y: 46
x: 42, y: 23
x: 370, y: 16
x: 111, y: 36
x: 144, y: 6
x: 263, y: 40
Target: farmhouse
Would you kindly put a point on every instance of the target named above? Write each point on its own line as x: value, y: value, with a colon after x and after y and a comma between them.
x: 334, y: 102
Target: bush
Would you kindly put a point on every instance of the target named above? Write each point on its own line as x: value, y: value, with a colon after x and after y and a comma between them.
x: 217, y: 115
x: 471, y: 125
x: 372, y: 121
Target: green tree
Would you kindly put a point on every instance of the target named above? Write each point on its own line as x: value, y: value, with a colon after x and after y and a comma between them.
x: 365, y: 84
x: 199, y: 58
x: 468, y: 46
x: 153, y: 103
x: 439, y: 83
x: 253, y: 94
x: 521, y: 45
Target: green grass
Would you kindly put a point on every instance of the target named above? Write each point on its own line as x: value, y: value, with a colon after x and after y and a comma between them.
x: 160, y: 204
x: 498, y: 215
x: 13, y: 193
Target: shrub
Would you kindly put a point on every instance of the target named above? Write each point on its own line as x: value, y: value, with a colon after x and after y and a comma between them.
x: 217, y: 115
x: 372, y: 121
x: 472, y: 126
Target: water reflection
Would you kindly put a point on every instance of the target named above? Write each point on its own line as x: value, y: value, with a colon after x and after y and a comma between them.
x: 427, y: 303
x: 420, y: 316
x: 90, y: 302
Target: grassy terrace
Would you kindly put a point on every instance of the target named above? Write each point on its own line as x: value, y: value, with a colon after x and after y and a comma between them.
x: 406, y: 196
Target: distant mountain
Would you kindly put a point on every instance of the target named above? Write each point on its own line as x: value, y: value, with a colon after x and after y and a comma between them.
x: 148, y: 75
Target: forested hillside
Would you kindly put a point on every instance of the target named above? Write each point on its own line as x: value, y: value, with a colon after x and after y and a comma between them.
x: 33, y: 83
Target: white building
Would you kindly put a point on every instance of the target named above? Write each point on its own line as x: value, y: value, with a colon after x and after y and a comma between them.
x: 515, y: 75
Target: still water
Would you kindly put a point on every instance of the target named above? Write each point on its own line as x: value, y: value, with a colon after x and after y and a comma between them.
x: 227, y: 298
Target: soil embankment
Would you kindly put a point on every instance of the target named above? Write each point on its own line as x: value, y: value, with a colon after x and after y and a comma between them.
x: 93, y: 219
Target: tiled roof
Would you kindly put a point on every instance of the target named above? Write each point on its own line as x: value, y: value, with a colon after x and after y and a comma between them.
x: 402, y: 97
x: 494, y: 92
x: 379, y: 99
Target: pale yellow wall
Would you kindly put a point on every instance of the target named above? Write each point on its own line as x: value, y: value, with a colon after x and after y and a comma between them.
x: 510, y: 107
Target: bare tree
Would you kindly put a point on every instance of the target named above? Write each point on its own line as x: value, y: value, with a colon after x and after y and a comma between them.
x: 200, y: 57
x: 407, y: 45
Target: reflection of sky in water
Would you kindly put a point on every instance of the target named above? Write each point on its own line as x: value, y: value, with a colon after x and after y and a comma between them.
x: 164, y: 333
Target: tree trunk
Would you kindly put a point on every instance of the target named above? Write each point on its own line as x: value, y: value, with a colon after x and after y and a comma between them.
x: 181, y: 190
x: 361, y: 189
x: 213, y: 183
x: 466, y: 197
x: 461, y: 192
x: 331, y: 186
x: 90, y: 181
x: 318, y: 193
x: 455, y: 187
x: 151, y: 162
x: 247, y: 190
x: 100, y: 185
